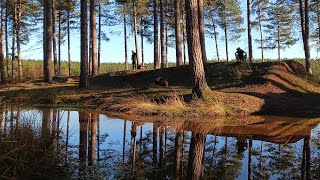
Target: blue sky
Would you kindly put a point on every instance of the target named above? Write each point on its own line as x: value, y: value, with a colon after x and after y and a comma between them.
x: 113, y: 50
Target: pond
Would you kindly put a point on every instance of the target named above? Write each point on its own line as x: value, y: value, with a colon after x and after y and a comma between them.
x: 55, y: 143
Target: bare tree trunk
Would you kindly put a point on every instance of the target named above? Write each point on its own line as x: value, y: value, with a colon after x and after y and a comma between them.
x: 249, y: 30
x: 184, y: 40
x: 278, y: 28
x: 125, y: 38
x: 166, y: 29
x: 156, y: 63
x: 93, y: 37
x: 142, y: 44
x: 178, y: 32
x: 163, y: 56
x: 194, y: 50
x: 99, y: 37
x: 2, y: 72
x: 201, y: 30
x: 48, y: 42
x: 59, y: 42
x: 135, y: 31
x: 54, y: 40
x: 261, y: 33
x: 196, y: 155
x: 307, y: 38
x: 18, y: 41
x: 226, y: 41
x: 7, y: 40
x: 13, y: 39
x: 318, y: 18
x: 83, y: 82
x: 68, y: 32
x: 215, y: 37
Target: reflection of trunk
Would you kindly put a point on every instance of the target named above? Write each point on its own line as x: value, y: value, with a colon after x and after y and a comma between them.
x: 250, y: 160
x: 196, y: 155
x: 98, y: 141
x: 67, y: 134
x: 54, y: 121
x: 178, y: 147
x: 18, y: 118
x: 5, y: 121
x: 305, y: 169
x: 92, y: 140
x: 84, y: 118
x: 134, y: 137
x: 46, y: 122
x: 11, y: 119
x: 141, y: 132
x: 124, y: 139
x: 161, y: 146
x: 155, y: 144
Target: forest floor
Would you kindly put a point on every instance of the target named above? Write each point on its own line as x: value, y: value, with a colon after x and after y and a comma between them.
x: 272, y: 88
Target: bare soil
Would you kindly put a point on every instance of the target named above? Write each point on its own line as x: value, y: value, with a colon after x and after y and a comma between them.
x: 272, y: 88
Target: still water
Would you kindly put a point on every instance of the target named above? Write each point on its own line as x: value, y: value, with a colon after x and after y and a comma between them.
x: 90, y: 145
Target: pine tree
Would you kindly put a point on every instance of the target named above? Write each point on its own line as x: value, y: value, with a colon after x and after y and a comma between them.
x: 230, y: 21
x: 48, y: 41
x: 83, y: 82
x: 279, y: 31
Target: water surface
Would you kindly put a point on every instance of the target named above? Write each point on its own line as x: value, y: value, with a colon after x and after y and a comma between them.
x: 92, y: 145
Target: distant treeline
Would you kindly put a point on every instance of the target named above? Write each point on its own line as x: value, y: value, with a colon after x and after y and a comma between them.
x: 33, y: 69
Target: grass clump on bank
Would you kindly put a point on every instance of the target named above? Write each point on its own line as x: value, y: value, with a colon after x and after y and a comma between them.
x: 176, y: 106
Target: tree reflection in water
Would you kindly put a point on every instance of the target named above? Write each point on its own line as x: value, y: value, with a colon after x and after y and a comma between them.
x: 105, y: 148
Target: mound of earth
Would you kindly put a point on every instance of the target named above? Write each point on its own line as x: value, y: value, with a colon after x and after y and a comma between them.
x: 271, y: 88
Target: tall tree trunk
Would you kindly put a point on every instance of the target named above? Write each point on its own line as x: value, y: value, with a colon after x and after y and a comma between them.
x: 134, y: 137
x: 196, y: 155
x: 54, y: 40
x: 279, y: 46
x: 93, y: 37
x: 156, y: 64
x: 194, y: 50
x: 249, y: 30
x: 2, y: 71
x: 59, y: 42
x: 178, y: 32
x: 261, y: 32
x: 166, y: 30
x: 226, y: 41
x: 142, y: 44
x: 68, y: 34
x: 7, y: 39
x: 18, y: 41
x: 83, y: 82
x: 13, y: 39
x: 318, y: 19
x: 48, y: 42
x: 135, y: 31
x: 163, y: 56
x: 125, y: 38
x: 215, y: 36
x: 307, y: 38
x: 99, y: 37
x: 201, y: 30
